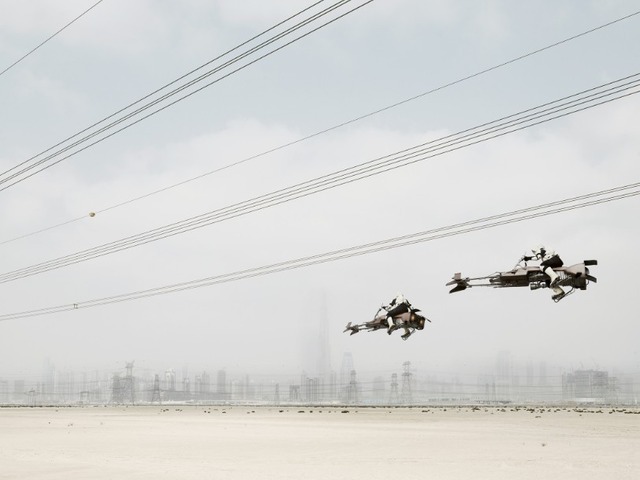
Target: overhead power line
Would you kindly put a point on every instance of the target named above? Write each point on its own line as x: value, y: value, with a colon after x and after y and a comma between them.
x: 534, y: 116
x: 163, y: 102
x: 164, y: 87
x: 529, y: 213
x: 51, y: 37
x: 326, y: 130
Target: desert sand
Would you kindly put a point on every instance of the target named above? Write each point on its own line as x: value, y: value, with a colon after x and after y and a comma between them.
x: 301, y: 442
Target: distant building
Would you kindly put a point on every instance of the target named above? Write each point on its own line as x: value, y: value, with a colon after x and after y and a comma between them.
x: 221, y: 385
x: 504, y: 376
x: 294, y: 393
x: 379, y: 390
x: 170, y: 380
x: 345, y: 376
x: 588, y: 386
x: 205, y: 383
x: 4, y: 392
x: 18, y: 391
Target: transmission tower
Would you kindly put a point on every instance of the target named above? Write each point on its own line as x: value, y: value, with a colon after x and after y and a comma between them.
x: 393, y: 395
x: 352, y: 390
x: 122, y: 389
x: 129, y: 385
x: 117, y: 396
x: 155, y: 397
x: 31, y: 397
x: 407, y: 396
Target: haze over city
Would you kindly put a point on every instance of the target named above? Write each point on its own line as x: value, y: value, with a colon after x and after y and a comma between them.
x: 374, y: 57
x: 224, y: 225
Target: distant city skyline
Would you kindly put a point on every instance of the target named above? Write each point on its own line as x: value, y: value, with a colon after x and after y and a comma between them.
x: 385, y: 78
x: 510, y: 381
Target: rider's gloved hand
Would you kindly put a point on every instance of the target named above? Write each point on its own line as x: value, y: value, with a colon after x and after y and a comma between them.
x: 526, y: 258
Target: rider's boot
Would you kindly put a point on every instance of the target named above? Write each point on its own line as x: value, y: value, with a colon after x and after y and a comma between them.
x: 559, y: 293
x: 390, y: 325
x: 552, y: 275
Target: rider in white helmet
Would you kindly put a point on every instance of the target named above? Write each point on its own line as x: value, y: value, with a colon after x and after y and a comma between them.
x: 395, y: 307
x: 549, y: 260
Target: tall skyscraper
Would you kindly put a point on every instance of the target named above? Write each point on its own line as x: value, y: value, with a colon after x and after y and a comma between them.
x: 221, y: 384
x: 345, y: 368
x: 504, y: 372
x: 345, y: 375
x: 324, y: 354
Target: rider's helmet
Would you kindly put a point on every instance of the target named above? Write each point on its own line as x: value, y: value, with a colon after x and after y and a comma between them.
x: 538, y: 251
x: 400, y: 298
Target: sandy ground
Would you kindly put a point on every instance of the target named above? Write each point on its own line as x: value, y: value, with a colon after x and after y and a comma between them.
x: 168, y: 442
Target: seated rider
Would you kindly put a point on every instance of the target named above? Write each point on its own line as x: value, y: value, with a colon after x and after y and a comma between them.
x: 397, y: 306
x: 549, y: 260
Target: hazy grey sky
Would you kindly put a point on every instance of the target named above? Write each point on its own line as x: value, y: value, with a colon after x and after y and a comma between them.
x: 383, y: 53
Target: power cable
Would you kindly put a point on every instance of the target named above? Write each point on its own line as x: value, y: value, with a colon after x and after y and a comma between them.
x: 163, y: 232
x: 529, y: 213
x: 123, y: 109
x: 49, y: 38
x: 50, y: 160
x: 503, y: 126
x: 163, y: 88
x: 326, y: 130
x: 67, y: 222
